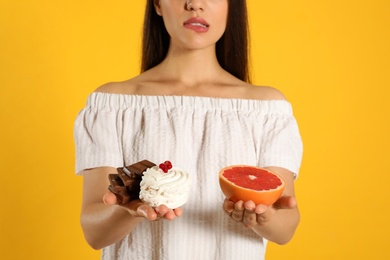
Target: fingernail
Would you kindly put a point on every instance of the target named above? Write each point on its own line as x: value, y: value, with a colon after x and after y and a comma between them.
x: 143, y: 212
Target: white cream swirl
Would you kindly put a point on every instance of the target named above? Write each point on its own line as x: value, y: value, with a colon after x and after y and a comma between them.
x: 170, y: 189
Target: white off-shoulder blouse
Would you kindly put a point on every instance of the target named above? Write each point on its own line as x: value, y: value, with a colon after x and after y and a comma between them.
x: 200, y: 135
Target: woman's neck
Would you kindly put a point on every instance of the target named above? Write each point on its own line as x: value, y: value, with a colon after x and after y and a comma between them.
x: 190, y: 67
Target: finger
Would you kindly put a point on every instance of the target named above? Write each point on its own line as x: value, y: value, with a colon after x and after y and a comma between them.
x: 178, y: 212
x: 109, y: 198
x: 170, y: 215
x: 162, y: 210
x: 249, y: 205
x: 286, y: 202
x: 261, y: 209
x: 228, y: 206
x: 238, y: 211
x: 239, y: 205
x: 264, y: 213
x: 139, y: 209
x: 263, y: 217
x: 143, y: 210
x: 250, y: 218
x: 167, y: 213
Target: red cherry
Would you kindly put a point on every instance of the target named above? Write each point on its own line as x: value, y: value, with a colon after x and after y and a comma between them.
x: 163, y: 167
x: 168, y: 164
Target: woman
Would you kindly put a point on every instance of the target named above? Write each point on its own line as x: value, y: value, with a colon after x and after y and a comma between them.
x: 193, y: 105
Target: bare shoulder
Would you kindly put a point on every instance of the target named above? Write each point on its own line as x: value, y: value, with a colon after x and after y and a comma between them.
x: 265, y: 93
x: 130, y: 86
x: 143, y: 84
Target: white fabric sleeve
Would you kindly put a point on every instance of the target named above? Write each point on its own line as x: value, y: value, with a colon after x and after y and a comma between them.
x: 281, y: 143
x: 97, y: 138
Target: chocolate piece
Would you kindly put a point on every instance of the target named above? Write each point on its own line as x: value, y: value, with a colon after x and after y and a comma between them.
x: 126, y: 184
x: 138, y: 168
x: 116, y: 182
x: 122, y: 196
x: 126, y: 179
x: 118, y: 188
x: 135, y: 186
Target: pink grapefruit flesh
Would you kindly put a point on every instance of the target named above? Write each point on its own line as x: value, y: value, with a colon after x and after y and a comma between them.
x: 244, y: 182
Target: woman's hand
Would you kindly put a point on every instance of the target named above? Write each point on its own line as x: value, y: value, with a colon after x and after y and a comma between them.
x: 103, y: 220
x: 277, y: 222
x: 139, y: 209
x: 251, y: 215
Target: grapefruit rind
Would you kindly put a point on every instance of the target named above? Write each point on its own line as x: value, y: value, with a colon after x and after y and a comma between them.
x: 236, y: 193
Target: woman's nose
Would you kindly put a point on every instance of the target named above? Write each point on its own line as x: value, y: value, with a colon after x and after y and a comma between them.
x: 194, y: 5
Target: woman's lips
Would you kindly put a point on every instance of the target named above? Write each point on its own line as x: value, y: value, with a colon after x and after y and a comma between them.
x: 197, y: 24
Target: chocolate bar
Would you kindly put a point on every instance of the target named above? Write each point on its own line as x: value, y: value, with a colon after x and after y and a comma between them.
x: 126, y: 183
x: 118, y: 188
x: 138, y: 168
x: 126, y: 179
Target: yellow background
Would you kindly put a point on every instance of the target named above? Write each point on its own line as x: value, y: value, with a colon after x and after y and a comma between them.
x: 330, y: 58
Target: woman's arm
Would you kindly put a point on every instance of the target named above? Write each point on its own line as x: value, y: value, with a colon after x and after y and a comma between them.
x: 276, y: 223
x: 105, y: 223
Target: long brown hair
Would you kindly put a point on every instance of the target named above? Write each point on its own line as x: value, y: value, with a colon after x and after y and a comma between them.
x: 231, y: 48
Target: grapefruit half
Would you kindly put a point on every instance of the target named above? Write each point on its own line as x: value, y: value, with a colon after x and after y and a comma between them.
x: 244, y: 182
